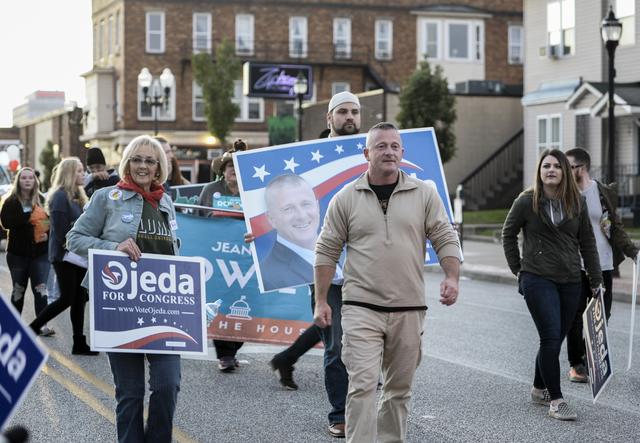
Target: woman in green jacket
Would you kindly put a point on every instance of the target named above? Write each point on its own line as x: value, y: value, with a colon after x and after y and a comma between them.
x: 556, y: 234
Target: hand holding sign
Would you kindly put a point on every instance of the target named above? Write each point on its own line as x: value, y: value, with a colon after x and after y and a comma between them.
x: 130, y: 248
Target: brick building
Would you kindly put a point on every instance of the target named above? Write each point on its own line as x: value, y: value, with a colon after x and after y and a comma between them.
x: 359, y: 45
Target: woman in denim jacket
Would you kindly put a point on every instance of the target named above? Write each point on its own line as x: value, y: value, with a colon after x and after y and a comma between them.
x: 136, y: 217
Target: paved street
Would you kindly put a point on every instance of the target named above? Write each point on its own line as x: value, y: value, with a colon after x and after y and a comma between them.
x: 473, y: 385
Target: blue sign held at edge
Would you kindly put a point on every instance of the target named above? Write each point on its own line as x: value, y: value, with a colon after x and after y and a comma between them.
x: 21, y: 357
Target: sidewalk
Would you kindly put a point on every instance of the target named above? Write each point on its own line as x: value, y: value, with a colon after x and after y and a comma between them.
x: 484, y: 260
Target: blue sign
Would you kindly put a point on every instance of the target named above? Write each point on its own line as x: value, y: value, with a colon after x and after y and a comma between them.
x: 226, y: 202
x: 326, y: 165
x: 236, y: 309
x: 21, y: 358
x: 154, y: 305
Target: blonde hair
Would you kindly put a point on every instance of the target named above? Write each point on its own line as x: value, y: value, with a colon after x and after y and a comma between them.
x: 132, y: 148
x: 568, y: 192
x: 64, y: 178
x: 34, y: 198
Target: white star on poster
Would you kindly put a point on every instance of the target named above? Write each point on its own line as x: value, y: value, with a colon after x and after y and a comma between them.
x: 339, y: 149
x: 316, y: 156
x: 291, y: 165
x: 360, y: 146
x: 165, y: 320
x: 153, y: 319
x: 261, y: 173
x: 140, y: 321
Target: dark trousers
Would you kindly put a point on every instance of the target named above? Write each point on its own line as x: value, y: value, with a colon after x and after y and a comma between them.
x: 72, y: 294
x: 553, y: 307
x: 225, y: 348
x: 24, y: 269
x: 575, y: 341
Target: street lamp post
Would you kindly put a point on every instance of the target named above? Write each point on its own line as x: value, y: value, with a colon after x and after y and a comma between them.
x: 156, y: 90
x: 300, y: 88
x: 611, y: 29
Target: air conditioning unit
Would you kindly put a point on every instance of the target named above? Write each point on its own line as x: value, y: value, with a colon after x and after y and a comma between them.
x: 553, y: 51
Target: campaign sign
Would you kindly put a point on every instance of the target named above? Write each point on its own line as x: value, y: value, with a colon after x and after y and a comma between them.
x: 154, y: 305
x: 21, y: 358
x: 226, y: 202
x: 236, y: 309
x: 597, y: 345
x: 325, y: 165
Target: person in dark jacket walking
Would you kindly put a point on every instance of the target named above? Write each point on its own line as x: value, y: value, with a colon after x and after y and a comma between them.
x: 612, y: 242
x: 99, y: 176
x: 23, y: 215
x: 556, y: 232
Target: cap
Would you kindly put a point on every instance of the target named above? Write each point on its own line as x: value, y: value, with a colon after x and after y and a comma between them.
x: 343, y: 97
x: 95, y: 157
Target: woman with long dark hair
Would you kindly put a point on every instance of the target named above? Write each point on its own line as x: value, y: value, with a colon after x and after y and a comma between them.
x: 64, y: 204
x: 23, y: 215
x: 556, y: 232
x: 135, y: 217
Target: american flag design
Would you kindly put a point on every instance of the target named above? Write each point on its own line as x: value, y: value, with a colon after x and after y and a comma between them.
x: 327, y: 165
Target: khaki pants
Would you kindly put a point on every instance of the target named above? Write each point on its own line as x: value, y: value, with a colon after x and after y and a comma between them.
x: 371, y: 340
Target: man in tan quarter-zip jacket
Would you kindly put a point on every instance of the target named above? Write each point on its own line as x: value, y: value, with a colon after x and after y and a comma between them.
x: 384, y: 218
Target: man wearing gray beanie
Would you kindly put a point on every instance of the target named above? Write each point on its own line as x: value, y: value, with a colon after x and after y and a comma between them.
x: 343, y: 118
x: 99, y: 176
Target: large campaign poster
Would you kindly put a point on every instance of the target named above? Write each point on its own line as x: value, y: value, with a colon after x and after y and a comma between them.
x: 155, y: 304
x: 285, y: 213
x: 21, y: 357
x: 235, y: 307
x: 597, y: 346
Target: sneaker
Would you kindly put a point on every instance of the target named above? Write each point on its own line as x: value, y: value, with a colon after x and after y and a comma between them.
x: 46, y: 331
x: 562, y: 411
x: 226, y: 364
x: 285, y: 370
x: 336, y: 430
x: 541, y: 398
x: 578, y: 374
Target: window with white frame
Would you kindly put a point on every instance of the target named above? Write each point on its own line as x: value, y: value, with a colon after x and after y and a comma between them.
x: 197, y: 100
x: 298, y: 37
x: 342, y: 37
x: 201, y: 32
x: 464, y: 40
x: 516, y: 47
x: 337, y: 87
x: 561, y: 19
x: 244, y: 34
x: 626, y: 13
x: 549, y: 132
x: 384, y: 39
x: 117, y: 31
x: 155, y: 32
x: 110, y: 35
x: 101, y: 39
x: 148, y: 112
x: 431, y: 39
x: 251, y: 108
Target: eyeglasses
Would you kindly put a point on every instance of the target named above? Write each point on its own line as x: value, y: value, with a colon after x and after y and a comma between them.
x: 146, y: 161
x: 576, y: 166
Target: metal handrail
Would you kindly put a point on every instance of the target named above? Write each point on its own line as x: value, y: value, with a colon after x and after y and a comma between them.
x: 492, y: 157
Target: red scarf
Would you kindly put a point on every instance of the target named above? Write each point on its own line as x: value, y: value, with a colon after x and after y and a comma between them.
x: 153, y: 197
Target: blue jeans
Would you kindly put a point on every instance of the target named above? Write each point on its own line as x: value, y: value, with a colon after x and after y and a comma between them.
x: 164, y: 384
x: 22, y: 270
x: 553, y: 307
x: 336, y: 379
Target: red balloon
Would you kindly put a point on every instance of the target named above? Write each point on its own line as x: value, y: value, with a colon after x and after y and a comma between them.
x: 14, y: 165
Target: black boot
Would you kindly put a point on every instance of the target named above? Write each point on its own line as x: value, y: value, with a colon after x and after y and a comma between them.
x: 80, y: 346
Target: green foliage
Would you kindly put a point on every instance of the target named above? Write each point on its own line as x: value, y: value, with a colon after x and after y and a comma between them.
x: 282, y: 130
x: 49, y: 160
x: 491, y: 216
x: 216, y: 80
x: 425, y: 101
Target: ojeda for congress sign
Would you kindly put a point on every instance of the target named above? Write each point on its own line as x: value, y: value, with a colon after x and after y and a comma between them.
x: 154, y: 305
x: 21, y: 357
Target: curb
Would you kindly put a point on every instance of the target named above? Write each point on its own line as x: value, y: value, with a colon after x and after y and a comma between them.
x: 509, y: 279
